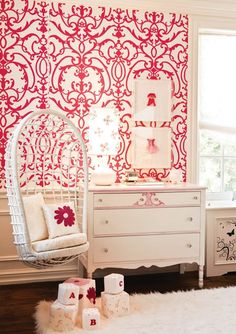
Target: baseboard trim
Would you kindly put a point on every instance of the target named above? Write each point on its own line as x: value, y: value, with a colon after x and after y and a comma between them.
x: 4, y: 213
x: 28, y: 275
x: 9, y: 258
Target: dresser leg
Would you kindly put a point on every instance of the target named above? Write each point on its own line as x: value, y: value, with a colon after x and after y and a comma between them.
x: 81, y: 270
x: 89, y: 274
x: 182, y: 268
x: 200, y: 281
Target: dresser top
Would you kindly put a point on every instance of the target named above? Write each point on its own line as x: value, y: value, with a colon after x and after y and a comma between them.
x: 146, y: 186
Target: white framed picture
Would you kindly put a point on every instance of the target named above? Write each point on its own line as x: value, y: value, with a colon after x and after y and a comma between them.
x: 152, y: 100
x: 151, y: 147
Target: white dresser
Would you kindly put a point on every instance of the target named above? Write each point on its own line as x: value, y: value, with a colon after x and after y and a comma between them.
x: 136, y: 225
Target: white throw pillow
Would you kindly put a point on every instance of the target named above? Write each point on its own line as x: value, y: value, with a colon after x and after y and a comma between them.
x: 60, y: 219
x: 34, y: 217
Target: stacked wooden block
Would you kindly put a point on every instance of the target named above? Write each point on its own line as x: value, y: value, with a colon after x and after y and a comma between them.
x: 64, y: 310
x: 114, y: 300
x: 75, y: 301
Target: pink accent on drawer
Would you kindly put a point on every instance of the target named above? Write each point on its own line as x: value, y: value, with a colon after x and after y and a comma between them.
x: 149, y: 199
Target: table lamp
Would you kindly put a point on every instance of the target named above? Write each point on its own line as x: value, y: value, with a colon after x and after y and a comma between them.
x: 103, y: 142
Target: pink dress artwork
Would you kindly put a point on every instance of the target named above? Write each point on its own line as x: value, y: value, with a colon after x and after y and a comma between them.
x: 151, y: 102
x: 151, y: 146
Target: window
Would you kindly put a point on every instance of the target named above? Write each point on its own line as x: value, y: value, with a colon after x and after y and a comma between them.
x: 217, y: 110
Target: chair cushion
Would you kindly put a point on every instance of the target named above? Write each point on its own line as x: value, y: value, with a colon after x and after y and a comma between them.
x: 61, y: 219
x: 34, y: 217
x: 60, y: 242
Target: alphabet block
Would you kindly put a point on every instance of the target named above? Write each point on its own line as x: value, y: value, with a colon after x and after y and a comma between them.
x: 115, y: 305
x: 114, y: 283
x: 62, y: 317
x: 87, y: 292
x: 68, y: 294
x: 90, y: 318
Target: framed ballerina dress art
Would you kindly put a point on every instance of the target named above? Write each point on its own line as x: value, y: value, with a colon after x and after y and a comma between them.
x: 152, y: 100
x: 151, y: 147
x: 152, y: 103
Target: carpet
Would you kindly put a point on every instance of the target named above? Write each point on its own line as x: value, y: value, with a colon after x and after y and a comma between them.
x: 203, y: 311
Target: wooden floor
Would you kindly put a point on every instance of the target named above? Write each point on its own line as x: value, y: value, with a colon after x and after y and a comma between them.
x: 17, y: 302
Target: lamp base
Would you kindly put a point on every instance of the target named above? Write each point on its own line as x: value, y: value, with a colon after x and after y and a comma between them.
x: 103, y: 176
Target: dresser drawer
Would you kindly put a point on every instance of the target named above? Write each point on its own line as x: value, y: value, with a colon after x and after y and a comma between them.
x: 141, y: 248
x: 157, y: 220
x: 146, y: 199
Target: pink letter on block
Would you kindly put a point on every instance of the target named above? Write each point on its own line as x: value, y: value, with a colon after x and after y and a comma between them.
x: 87, y: 292
x: 114, y: 283
x: 90, y: 318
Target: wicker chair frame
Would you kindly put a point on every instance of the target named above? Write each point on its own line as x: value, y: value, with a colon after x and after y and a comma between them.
x: 46, y: 154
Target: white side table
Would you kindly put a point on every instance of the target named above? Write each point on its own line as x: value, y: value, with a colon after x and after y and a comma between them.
x: 220, y: 237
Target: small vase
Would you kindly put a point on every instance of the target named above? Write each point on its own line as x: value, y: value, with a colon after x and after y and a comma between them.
x: 151, y: 146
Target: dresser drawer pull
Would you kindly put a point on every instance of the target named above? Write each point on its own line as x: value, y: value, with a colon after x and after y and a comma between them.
x: 100, y: 200
x: 189, y: 246
x: 190, y: 219
x: 195, y: 197
x: 105, y: 250
x: 106, y: 222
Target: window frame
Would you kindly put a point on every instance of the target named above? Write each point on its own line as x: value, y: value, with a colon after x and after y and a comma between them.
x: 197, y: 25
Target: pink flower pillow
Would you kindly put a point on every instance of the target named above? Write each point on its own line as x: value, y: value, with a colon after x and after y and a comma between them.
x: 60, y: 219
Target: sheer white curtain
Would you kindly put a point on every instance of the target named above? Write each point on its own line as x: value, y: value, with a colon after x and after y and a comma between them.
x: 217, y: 111
x: 217, y: 86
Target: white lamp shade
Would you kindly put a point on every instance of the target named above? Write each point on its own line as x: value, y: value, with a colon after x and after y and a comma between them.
x: 103, y: 141
x: 103, y: 131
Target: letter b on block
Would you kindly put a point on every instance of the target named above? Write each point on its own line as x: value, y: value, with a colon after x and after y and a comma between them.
x: 90, y: 318
x: 114, y: 283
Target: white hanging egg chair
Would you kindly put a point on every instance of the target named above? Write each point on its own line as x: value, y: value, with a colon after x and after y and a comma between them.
x: 47, y: 186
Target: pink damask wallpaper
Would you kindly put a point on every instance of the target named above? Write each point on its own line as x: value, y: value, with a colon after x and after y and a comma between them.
x: 70, y: 57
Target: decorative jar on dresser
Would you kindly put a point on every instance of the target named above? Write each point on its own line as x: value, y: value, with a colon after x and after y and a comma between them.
x: 130, y: 226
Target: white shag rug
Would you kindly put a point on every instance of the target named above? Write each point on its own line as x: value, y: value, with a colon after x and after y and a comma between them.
x: 204, y: 311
